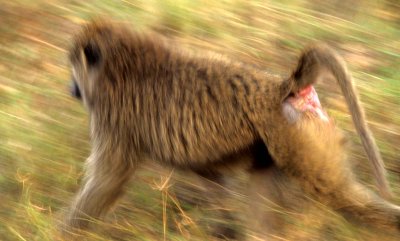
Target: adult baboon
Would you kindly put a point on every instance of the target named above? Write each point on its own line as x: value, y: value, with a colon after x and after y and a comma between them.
x: 149, y: 100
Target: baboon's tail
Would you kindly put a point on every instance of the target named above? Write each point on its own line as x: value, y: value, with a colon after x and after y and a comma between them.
x: 319, y: 60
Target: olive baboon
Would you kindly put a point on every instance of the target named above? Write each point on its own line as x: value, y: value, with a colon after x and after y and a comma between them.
x: 149, y: 100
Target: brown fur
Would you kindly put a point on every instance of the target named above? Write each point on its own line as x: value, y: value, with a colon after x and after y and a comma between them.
x: 148, y: 99
x: 320, y: 61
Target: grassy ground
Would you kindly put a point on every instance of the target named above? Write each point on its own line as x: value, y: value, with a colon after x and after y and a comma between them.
x: 44, y: 134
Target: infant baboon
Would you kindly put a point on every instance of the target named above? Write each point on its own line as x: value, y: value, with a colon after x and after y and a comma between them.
x: 149, y: 100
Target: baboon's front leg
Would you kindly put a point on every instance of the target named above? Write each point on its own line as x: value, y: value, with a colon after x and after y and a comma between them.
x: 106, y: 174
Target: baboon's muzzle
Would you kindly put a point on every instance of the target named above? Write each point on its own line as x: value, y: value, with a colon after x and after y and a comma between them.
x: 75, y: 92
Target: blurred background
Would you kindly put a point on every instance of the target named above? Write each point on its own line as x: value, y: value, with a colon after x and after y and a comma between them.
x: 44, y: 132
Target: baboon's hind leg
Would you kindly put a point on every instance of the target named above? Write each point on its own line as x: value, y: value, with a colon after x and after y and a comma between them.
x: 217, y: 198
x: 276, y: 205
x: 314, y: 155
x: 264, y: 198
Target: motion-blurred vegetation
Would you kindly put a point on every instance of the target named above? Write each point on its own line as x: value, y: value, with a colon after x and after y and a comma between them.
x: 44, y: 134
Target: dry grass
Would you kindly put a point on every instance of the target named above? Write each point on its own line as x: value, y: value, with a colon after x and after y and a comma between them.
x: 43, y: 131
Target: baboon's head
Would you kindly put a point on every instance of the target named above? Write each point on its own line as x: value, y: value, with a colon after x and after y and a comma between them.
x: 87, y: 59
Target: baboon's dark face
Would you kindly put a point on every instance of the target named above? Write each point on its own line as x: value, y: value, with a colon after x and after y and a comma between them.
x: 75, y: 91
x: 85, y: 61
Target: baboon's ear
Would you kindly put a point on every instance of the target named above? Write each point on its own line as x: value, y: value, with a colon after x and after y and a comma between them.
x: 92, y: 53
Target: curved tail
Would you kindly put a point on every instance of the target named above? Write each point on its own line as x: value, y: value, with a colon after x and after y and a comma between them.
x: 319, y: 60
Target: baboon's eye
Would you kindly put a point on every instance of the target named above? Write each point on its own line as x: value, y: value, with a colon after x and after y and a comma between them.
x: 92, y: 53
